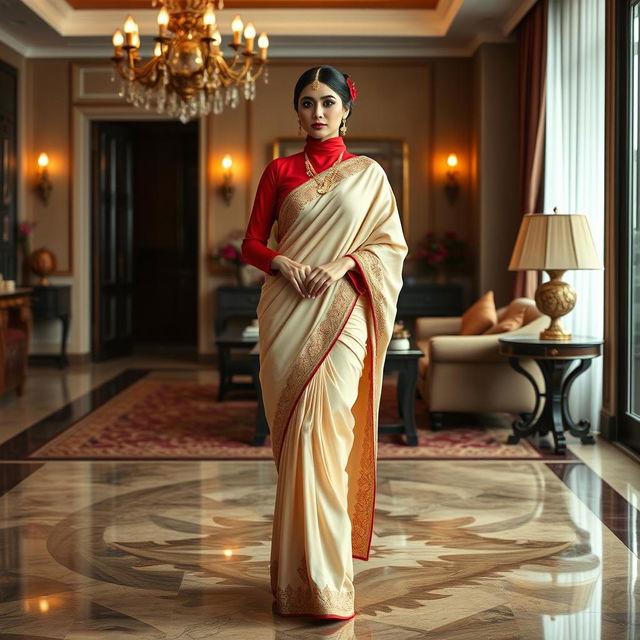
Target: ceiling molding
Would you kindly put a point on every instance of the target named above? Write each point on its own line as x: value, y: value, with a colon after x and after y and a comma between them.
x: 356, y: 33
x: 69, y: 22
x: 293, y: 48
x: 519, y: 12
x: 13, y: 43
x: 234, y: 5
x: 54, y: 12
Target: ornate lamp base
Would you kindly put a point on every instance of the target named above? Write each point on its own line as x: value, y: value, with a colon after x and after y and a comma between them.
x: 555, y: 299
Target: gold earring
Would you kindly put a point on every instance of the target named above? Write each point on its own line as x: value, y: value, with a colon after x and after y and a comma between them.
x: 343, y: 127
x: 299, y: 128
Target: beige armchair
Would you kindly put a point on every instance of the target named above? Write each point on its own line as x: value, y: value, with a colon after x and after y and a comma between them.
x: 467, y: 374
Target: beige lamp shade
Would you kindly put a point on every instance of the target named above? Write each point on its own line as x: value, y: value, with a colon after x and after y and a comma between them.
x: 554, y: 242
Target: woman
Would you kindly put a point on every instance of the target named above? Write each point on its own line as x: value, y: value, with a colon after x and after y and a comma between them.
x: 326, y: 313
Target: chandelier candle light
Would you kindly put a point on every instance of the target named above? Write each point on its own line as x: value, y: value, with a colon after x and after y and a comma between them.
x: 188, y: 76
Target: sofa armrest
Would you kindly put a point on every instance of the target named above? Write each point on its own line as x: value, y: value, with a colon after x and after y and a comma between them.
x: 465, y: 349
x: 428, y: 327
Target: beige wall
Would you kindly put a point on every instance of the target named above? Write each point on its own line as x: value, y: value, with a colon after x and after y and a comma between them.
x: 49, y: 125
x: 497, y: 214
x: 430, y: 103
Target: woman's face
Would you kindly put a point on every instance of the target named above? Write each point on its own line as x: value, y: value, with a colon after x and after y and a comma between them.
x: 321, y: 106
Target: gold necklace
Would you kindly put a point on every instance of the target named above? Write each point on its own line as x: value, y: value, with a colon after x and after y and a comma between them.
x: 325, y: 185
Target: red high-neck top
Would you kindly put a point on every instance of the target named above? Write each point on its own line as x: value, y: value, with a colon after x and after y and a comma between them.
x: 279, y: 178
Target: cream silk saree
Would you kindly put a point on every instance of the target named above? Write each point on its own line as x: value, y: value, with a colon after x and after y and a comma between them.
x: 321, y: 364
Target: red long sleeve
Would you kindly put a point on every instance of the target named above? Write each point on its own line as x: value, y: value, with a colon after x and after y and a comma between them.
x: 263, y: 215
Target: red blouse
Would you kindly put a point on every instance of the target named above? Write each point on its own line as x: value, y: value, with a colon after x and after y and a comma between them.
x: 279, y: 178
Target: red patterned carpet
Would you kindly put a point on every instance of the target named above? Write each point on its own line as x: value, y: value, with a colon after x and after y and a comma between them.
x: 160, y: 419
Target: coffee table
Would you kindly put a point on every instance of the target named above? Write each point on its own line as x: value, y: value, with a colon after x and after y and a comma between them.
x: 404, y: 361
x: 228, y: 365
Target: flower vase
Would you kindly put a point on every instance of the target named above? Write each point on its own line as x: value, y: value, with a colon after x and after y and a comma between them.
x: 442, y: 277
x: 25, y: 272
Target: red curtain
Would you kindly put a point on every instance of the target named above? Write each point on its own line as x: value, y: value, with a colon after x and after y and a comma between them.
x: 532, y: 41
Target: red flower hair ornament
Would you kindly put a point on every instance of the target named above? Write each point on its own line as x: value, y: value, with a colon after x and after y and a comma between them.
x: 352, y: 88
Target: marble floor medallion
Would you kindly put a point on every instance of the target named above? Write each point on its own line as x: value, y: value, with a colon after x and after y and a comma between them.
x: 180, y: 550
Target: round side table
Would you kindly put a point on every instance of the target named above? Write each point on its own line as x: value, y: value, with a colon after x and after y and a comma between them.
x: 555, y: 360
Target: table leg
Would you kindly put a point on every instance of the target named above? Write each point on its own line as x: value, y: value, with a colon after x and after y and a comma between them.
x: 552, y: 420
x: 223, y: 366
x: 522, y: 428
x: 65, y: 319
x: 580, y: 430
x: 262, y: 427
x: 407, y: 380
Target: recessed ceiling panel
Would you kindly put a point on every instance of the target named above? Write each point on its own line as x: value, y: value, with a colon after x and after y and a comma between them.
x: 270, y: 4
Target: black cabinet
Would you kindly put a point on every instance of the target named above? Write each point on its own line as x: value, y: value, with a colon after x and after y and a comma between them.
x: 238, y: 304
x: 53, y: 302
x: 426, y: 299
x: 235, y: 305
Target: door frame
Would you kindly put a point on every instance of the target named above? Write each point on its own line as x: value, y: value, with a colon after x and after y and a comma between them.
x: 82, y: 295
x: 619, y: 226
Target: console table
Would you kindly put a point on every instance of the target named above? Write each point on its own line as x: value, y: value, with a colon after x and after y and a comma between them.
x: 226, y: 341
x: 53, y: 302
x: 554, y: 360
x: 15, y: 330
x: 415, y: 301
x: 418, y: 300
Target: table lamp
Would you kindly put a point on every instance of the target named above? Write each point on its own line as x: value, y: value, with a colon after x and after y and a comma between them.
x: 554, y: 243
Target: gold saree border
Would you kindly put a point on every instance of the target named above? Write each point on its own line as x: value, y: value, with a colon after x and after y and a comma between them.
x: 308, y: 598
x: 305, y: 193
x: 363, y: 513
x: 313, y: 353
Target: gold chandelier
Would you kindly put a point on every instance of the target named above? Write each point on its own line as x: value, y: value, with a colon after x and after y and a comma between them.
x: 188, y: 76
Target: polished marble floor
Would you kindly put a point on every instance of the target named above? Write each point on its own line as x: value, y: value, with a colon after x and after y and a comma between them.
x: 179, y: 550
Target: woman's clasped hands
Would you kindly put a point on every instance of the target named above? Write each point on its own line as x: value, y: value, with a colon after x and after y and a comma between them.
x: 310, y: 282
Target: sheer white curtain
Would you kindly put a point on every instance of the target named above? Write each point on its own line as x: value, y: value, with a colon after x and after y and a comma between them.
x: 574, y: 163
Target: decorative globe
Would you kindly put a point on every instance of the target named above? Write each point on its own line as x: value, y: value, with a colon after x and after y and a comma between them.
x: 42, y: 263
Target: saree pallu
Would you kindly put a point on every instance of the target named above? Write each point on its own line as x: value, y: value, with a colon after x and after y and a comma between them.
x: 321, y: 365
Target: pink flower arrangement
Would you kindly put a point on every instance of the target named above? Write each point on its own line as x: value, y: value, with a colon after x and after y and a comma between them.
x: 230, y: 249
x: 25, y: 229
x: 446, y: 251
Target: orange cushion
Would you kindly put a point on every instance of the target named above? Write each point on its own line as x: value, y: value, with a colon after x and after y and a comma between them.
x: 480, y: 316
x: 508, y: 323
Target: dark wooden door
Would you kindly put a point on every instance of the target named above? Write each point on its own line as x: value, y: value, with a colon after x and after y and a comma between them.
x: 112, y: 238
x: 627, y: 193
x: 8, y: 165
x: 165, y: 236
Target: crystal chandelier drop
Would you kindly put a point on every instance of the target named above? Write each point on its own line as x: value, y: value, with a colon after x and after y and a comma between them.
x: 188, y: 76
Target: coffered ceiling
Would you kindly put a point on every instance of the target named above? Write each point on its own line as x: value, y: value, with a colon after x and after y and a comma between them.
x: 296, y: 28
x: 268, y: 4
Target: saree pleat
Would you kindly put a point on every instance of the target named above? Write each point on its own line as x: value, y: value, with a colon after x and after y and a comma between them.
x: 311, y: 564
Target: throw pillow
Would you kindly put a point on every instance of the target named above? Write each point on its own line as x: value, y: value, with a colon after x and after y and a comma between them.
x: 508, y: 323
x: 480, y: 316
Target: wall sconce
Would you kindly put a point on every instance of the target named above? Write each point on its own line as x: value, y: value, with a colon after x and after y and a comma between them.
x: 227, y: 189
x: 451, y: 187
x: 43, y: 185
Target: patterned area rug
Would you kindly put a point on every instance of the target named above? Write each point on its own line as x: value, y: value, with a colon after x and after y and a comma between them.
x: 160, y: 419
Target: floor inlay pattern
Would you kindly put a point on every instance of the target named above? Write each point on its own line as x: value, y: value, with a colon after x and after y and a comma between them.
x: 179, y: 551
